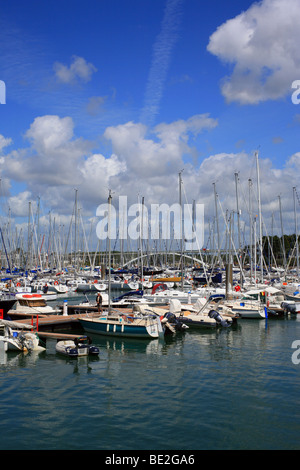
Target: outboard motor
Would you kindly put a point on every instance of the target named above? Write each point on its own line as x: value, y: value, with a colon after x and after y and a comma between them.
x: 172, y: 320
x: 288, y: 307
x: 216, y: 316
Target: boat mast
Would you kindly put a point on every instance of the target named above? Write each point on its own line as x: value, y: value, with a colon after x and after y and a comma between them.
x: 181, y: 226
x: 296, y: 231
x: 260, y: 220
x: 75, y: 232
x: 239, y: 228
x: 109, y: 249
x: 141, y: 232
x: 282, y: 234
x: 250, y: 230
x: 217, y: 222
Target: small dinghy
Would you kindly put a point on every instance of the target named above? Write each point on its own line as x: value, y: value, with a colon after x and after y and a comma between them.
x: 77, y: 348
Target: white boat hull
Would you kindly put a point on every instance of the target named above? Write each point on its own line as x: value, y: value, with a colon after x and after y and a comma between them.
x: 250, y: 313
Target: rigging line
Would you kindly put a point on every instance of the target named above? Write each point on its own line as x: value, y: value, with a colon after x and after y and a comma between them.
x: 297, y: 196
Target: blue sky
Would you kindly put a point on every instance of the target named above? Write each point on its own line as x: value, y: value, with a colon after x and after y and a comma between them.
x: 123, y: 94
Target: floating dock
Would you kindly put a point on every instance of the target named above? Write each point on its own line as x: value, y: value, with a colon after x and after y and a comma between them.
x: 51, y: 326
x: 55, y: 326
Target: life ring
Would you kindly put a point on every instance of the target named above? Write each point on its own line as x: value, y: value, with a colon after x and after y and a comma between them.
x: 56, y: 283
x: 18, y: 284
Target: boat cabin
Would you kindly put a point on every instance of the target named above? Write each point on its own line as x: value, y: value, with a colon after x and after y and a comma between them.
x: 31, y: 300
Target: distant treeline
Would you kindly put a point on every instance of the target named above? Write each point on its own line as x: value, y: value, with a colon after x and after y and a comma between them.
x: 281, y: 249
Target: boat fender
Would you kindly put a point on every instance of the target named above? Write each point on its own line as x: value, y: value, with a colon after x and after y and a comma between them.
x: 93, y: 350
x: 72, y: 352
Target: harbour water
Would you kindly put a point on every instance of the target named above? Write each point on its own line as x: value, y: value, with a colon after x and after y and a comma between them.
x: 235, y: 388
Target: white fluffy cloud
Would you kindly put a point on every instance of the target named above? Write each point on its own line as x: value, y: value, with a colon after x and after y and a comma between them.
x: 162, y: 155
x: 57, y: 162
x: 4, y: 142
x: 53, y: 157
x: 79, y: 70
x: 263, y: 45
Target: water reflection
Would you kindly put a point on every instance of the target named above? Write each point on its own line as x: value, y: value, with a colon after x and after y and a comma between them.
x: 224, y: 388
x: 20, y: 358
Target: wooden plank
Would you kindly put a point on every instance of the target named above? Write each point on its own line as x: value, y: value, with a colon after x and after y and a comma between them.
x: 58, y: 336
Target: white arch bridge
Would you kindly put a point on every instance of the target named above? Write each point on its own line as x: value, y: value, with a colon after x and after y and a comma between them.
x: 157, y: 256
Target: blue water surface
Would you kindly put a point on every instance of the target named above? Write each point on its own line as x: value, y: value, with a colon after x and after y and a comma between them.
x: 234, y: 388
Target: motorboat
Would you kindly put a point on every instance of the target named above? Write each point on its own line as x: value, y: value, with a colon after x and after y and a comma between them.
x: 33, y: 304
x: 248, y: 309
x: 14, y: 338
x: 171, y: 324
x: 79, y: 347
x: 269, y: 297
x: 118, y: 323
x: 204, y: 314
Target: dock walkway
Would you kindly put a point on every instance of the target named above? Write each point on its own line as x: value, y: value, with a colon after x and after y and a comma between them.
x: 55, y: 326
x: 51, y: 326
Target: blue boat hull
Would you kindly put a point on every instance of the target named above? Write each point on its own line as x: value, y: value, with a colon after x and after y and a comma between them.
x: 122, y: 329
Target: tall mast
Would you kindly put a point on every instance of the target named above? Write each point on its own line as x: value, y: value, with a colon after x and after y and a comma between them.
x: 109, y: 249
x: 296, y: 231
x: 282, y: 234
x: 141, y: 231
x: 250, y: 229
x: 181, y: 226
x: 239, y: 228
x: 260, y: 220
x: 75, y: 232
x: 217, y: 221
